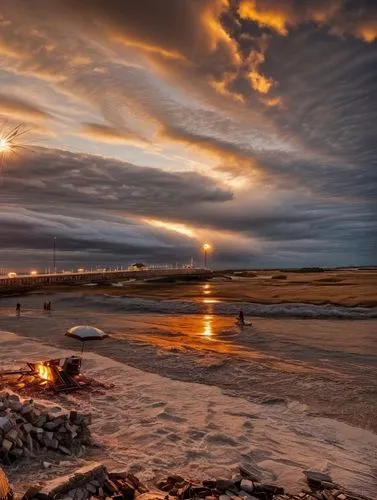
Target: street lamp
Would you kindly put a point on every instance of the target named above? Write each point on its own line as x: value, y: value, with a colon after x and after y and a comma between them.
x: 54, y: 254
x: 206, y: 248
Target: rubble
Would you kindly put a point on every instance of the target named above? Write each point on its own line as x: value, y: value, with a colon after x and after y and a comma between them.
x: 92, y: 481
x: 248, y: 485
x: 28, y: 428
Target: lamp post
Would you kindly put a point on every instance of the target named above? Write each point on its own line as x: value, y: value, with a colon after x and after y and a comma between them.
x: 54, y: 254
x: 206, y: 249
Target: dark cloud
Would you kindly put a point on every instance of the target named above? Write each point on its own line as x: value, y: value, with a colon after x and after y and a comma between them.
x: 97, y: 207
x: 278, y: 95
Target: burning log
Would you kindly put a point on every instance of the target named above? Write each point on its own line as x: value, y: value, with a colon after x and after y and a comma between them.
x: 55, y: 374
x: 6, y: 492
x: 27, y: 429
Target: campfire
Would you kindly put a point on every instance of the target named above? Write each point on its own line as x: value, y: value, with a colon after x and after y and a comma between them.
x: 55, y: 374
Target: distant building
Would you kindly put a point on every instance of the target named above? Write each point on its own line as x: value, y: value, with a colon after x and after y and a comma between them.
x: 139, y: 266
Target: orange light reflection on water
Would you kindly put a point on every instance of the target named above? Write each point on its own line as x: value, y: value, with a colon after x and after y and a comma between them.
x: 210, y: 301
x: 207, y: 325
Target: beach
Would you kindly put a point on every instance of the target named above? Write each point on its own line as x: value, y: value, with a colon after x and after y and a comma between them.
x: 295, y: 388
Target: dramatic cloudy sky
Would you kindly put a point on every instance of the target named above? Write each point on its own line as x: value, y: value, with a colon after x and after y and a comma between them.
x: 160, y: 124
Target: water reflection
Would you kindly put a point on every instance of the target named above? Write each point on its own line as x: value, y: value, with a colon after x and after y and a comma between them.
x: 207, y: 289
x: 207, y: 325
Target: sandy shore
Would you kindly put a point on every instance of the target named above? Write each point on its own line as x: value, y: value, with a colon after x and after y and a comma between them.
x: 347, y: 287
x: 154, y: 425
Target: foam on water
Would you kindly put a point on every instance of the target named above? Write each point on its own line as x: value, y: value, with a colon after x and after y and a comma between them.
x: 294, y: 310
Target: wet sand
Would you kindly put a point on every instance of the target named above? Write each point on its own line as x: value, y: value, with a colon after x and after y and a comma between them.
x: 347, y: 287
x: 156, y: 426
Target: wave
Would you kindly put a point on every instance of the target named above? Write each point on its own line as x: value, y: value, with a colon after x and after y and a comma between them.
x: 285, y: 310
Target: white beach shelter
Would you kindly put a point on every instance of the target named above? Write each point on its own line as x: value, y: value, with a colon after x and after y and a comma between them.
x: 85, y: 333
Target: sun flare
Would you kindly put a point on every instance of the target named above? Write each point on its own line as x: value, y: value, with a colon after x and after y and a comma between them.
x: 4, y: 145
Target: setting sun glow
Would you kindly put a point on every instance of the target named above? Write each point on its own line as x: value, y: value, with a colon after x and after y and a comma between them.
x: 4, y: 145
x: 172, y: 226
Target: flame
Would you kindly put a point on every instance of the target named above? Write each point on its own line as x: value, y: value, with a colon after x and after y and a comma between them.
x: 44, y: 372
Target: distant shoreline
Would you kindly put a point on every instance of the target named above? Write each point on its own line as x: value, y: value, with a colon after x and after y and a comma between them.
x: 347, y: 288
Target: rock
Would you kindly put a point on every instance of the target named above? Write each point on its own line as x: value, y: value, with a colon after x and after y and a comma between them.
x: 41, y: 420
x: 73, y: 416
x: 225, y: 484
x: 81, y: 494
x: 31, y: 493
x: 48, y: 435
x: 17, y: 452
x: 47, y: 465
x: 7, y: 445
x: 50, y: 426
x: 6, y: 424
x: 12, y: 435
x: 247, y: 496
x: 251, y: 472
x: 65, y: 484
x: 247, y: 485
x: 152, y: 495
x: 26, y: 410
x: 317, y: 476
x: 91, y: 488
x: 209, y: 483
x: 51, y: 443
x: 27, y: 427
x: 64, y: 450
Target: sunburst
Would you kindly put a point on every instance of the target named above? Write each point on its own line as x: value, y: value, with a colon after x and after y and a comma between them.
x: 13, y: 141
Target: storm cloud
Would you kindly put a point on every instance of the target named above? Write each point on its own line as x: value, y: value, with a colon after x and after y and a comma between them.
x: 247, y: 123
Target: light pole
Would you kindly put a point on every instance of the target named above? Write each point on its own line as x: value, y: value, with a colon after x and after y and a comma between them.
x: 54, y: 254
x: 206, y: 249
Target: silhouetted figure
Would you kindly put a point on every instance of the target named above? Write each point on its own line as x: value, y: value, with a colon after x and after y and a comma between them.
x: 18, y: 309
x: 45, y: 306
x: 241, y: 317
x: 49, y: 306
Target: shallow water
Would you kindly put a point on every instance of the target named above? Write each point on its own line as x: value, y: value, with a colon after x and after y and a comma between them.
x: 328, y: 365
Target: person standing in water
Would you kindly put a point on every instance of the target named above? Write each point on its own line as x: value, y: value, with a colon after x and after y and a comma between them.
x: 241, y: 317
x: 18, y: 309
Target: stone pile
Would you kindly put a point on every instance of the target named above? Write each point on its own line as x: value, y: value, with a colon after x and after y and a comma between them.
x: 90, y: 482
x: 248, y: 485
x: 94, y: 482
x: 27, y: 429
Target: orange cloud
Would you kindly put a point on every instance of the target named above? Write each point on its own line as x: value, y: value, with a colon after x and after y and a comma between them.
x: 264, y: 16
x: 259, y: 82
x: 216, y: 33
x: 273, y: 102
x: 222, y: 87
x: 19, y: 108
x: 281, y: 15
x: 112, y: 135
x: 150, y: 49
